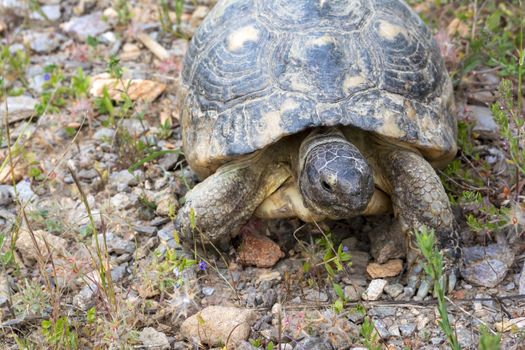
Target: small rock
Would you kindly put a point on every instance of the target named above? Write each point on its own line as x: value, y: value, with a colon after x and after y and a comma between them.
x: 465, y: 337
x: 394, y: 331
x: 146, y: 230
x: 381, y: 329
x: 26, y: 247
x: 375, y: 289
x: 387, y: 242
x: 87, y: 174
x: 314, y: 343
x: 422, y: 322
x: 198, y: 15
x: 394, y: 289
x: 508, y: 325
x: 6, y: 195
x: 169, y: 161
x: 215, y: 325
x: 382, y: 311
x: 407, y: 329
x: 137, y: 89
x: 25, y: 192
x: 487, y: 266
x: 166, y: 204
x: 521, y: 283
x: 51, y: 12
x: 389, y: 269
x: 123, y: 201
x: 208, y: 291
x: 122, y: 180
x: 104, y: 134
x: 134, y: 126
x: 86, y: 297
x: 315, y: 296
x: 485, y: 126
x: 152, y: 339
x: 353, y: 293
x: 108, y: 38
x: 259, y: 251
x: 4, y: 289
x: 19, y: 107
x: 115, y: 244
x: 44, y: 42
x: 84, y: 26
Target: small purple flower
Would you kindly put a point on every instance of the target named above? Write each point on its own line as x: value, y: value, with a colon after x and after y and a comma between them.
x: 203, y: 266
x: 47, y: 76
x: 345, y: 249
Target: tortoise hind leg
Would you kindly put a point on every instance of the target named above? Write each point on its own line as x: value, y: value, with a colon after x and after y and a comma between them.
x: 419, y: 199
x: 225, y: 201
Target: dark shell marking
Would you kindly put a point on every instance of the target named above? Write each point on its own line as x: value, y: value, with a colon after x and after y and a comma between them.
x: 259, y: 70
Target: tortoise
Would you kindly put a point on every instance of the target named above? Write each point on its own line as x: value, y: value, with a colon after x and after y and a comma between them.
x: 318, y: 110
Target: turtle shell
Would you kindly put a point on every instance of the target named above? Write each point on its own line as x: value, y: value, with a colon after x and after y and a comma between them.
x: 259, y: 70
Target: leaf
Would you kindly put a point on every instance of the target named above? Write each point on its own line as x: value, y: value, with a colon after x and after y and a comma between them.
x: 339, y: 291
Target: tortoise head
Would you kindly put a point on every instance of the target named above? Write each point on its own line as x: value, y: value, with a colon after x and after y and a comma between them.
x: 335, y: 179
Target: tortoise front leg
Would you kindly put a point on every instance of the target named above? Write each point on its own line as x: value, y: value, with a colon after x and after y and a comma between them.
x: 217, y: 208
x: 419, y: 199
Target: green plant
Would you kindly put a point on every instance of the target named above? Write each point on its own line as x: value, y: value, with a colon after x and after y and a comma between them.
x: 489, y: 341
x: 511, y: 124
x: 58, y: 333
x: 333, y: 259
x: 368, y: 332
x: 6, y: 257
x: 55, y: 92
x: 13, y: 68
x: 426, y: 242
x: 341, y: 300
x: 124, y: 13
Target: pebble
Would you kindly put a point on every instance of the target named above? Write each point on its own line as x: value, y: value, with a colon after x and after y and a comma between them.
x: 485, y: 126
x: 394, y: 290
x: 215, y: 325
x: 123, y: 201
x: 486, y: 266
x: 6, y: 195
x: 389, y: 269
x: 315, y: 296
x: 44, y: 42
x: 381, y: 329
x: 86, y: 297
x: 382, y: 311
x: 353, y: 293
x: 375, y: 289
x: 422, y: 322
x: 407, y: 329
x: 259, y: 251
x: 115, y: 244
x: 52, y: 13
x: 313, y: 343
x: 87, y: 174
x: 146, y: 230
x: 521, y: 282
x: 4, y: 288
x: 208, y: 291
x: 19, y: 107
x: 466, y: 338
x: 85, y: 26
x: 152, y: 339
x: 104, y: 134
x: 137, y: 89
x: 30, y: 253
x: 121, y: 181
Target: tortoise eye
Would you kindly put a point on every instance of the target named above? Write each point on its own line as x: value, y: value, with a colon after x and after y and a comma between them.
x: 326, y: 186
